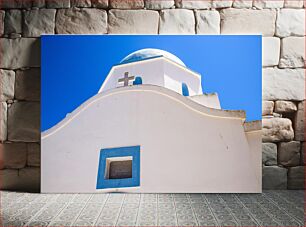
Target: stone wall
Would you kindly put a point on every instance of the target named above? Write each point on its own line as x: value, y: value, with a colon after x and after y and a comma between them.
x: 281, y: 22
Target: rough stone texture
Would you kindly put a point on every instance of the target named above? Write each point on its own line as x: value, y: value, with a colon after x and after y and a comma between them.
x: 99, y: 3
x: 19, y: 53
x: 270, y: 51
x: 293, y: 52
x: 285, y: 106
x: 80, y: 3
x: 299, y: 122
x: 3, y: 121
x: 13, y: 155
x: 24, y: 122
x: 38, y: 3
x: 274, y: 177
x: 267, y: 107
x: 56, y: 4
x: 178, y: 21
x: 133, y: 21
x: 38, y: 22
x: 221, y: 3
x: 159, y: 4
x: 26, y: 179
x: 7, y: 80
x: 296, y: 177
x: 13, y: 21
x: 293, y: 4
x: 27, y: 85
x: 248, y: 21
x: 33, y: 154
x: 15, y: 4
x: 2, y: 15
x: 208, y: 22
x: 192, y: 4
x: 303, y: 160
x: 283, y: 84
x: 261, y: 4
x: 126, y: 4
x: 290, y: 22
x: 289, y: 153
x: 269, y: 154
x: 81, y: 21
x: 242, y: 4
x: 277, y: 129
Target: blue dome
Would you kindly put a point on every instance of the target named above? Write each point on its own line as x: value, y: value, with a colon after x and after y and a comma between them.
x: 149, y: 53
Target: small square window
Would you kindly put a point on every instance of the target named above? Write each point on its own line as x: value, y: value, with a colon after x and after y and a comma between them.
x: 119, y: 167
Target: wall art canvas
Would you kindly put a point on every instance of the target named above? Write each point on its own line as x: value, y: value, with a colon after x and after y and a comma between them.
x: 151, y: 114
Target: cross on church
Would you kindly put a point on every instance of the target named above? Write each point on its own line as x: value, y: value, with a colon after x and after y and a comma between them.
x: 126, y: 79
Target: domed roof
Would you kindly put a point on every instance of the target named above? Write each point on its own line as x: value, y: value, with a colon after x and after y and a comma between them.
x: 149, y: 53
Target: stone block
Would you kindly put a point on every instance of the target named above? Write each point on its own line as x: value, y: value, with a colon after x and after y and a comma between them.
x: 33, y: 154
x: 99, y: 3
x: 126, y: 4
x: 13, y: 21
x: 262, y: 4
x: 290, y: 22
x: 277, y: 129
x: 80, y: 3
x: 270, y: 51
x: 24, y: 122
x: 3, y: 121
x: 267, y: 107
x: 296, y: 176
x: 293, y: 52
x: 177, y: 21
x: 293, y: 4
x: 285, y: 107
x: 303, y: 160
x: 81, y: 21
x: 159, y: 4
x: 191, y: 4
x: 248, y: 21
x: 138, y: 22
x: 26, y: 179
x: 15, y: 4
x: 221, y: 3
x: 38, y: 22
x: 56, y: 4
x: 242, y: 4
x: 299, y: 122
x: 7, y: 81
x: 289, y: 153
x: 283, y: 84
x: 208, y: 22
x: 38, y: 3
x: 269, y: 154
x: 19, y: 53
x: 27, y: 86
x: 13, y: 155
x: 274, y: 177
x: 2, y: 15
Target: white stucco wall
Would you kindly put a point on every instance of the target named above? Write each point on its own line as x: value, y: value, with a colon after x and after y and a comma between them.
x: 209, y: 100
x: 185, y: 147
x: 157, y: 71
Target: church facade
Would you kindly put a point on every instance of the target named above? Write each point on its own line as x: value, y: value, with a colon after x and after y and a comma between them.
x: 150, y: 129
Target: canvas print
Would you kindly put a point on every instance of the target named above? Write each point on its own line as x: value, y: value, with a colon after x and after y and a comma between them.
x: 151, y: 114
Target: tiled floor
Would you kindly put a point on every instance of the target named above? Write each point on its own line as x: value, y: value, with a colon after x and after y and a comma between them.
x: 271, y: 208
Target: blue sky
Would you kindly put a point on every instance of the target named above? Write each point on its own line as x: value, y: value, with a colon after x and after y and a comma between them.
x: 75, y: 66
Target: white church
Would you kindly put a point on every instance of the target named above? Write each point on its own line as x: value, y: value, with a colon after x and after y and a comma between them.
x: 150, y: 129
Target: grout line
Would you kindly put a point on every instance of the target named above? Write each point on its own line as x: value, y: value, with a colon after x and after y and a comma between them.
x: 101, y: 209
x: 213, y: 214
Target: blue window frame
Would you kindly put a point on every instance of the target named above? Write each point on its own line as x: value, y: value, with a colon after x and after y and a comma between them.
x: 119, y: 152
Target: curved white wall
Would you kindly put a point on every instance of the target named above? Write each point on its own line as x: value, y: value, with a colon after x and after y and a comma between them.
x: 185, y: 147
